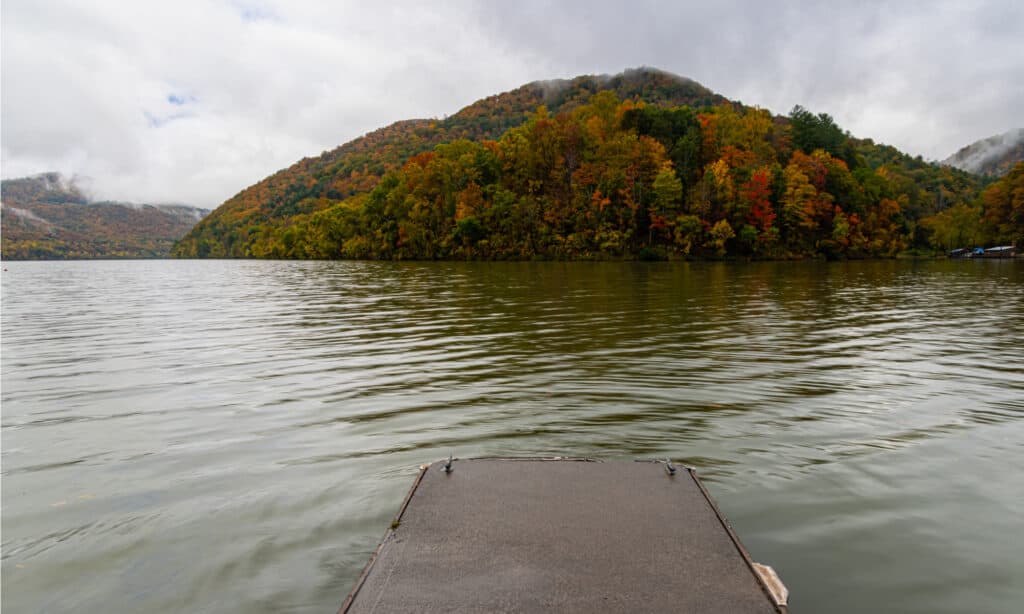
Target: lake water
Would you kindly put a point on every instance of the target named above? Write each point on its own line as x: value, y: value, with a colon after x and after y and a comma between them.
x: 236, y: 436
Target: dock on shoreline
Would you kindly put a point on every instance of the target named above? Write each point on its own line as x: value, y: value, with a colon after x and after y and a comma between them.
x: 562, y: 535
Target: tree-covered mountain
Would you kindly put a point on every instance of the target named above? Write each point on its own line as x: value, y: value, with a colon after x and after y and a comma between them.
x: 994, y: 156
x: 643, y: 164
x: 47, y: 217
x: 250, y: 223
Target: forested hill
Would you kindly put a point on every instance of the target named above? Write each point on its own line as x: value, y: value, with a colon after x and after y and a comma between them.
x: 47, y: 217
x: 644, y: 164
x: 250, y: 223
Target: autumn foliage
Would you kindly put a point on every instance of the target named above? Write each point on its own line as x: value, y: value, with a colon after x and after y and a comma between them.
x: 47, y: 218
x: 602, y: 173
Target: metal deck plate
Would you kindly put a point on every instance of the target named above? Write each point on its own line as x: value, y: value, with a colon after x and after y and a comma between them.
x: 559, y: 536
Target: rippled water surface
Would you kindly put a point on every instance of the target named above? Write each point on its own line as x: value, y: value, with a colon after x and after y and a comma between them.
x: 235, y: 436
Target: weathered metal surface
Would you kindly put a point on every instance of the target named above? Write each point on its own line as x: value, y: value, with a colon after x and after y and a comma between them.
x: 494, y: 535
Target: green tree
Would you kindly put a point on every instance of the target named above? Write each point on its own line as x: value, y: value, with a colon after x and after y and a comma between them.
x: 810, y: 132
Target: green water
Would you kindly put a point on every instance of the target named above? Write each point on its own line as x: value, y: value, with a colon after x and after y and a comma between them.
x: 236, y: 436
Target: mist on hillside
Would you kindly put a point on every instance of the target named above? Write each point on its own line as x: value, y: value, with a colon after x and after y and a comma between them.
x: 984, y: 156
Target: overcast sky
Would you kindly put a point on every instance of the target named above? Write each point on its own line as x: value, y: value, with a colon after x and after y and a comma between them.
x: 191, y: 101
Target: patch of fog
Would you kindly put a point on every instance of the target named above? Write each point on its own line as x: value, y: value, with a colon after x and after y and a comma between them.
x: 183, y: 210
x: 78, y: 185
x: 175, y: 209
x: 974, y: 157
x: 27, y: 215
x: 552, y: 88
x: 114, y: 203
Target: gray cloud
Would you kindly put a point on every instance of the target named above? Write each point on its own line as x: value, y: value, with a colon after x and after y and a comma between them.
x: 195, y: 100
x: 928, y: 77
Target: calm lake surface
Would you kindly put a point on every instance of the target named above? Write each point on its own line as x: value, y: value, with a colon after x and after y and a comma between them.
x: 236, y: 436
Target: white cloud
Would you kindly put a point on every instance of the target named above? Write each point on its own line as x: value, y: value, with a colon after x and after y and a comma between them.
x: 194, y: 100
x: 88, y: 90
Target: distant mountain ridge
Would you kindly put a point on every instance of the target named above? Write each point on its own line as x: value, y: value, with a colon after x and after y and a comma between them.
x: 994, y: 156
x: 49, y: 217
